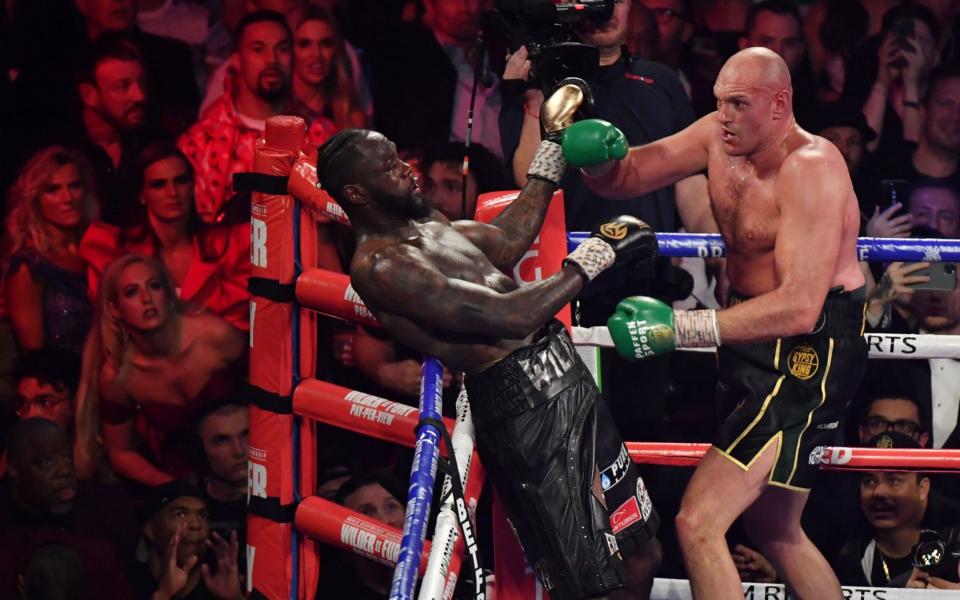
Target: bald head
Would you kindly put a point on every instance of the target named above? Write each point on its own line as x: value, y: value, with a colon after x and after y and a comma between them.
x: 754, y: 101
x: 757, y: 68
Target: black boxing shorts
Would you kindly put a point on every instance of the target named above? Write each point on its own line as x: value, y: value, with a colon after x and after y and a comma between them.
x: 556, y: 459
x: 792, y: 391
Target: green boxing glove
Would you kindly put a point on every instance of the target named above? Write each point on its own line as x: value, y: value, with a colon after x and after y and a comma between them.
x: 642, y: 327
x: 593, y: 142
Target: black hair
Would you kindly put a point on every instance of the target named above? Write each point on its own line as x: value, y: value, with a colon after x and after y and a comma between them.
x: 259, y: 16
x: 380, y: 477
x: 337, y: 161
x: 889, y: 388
x: 487, y: 170
x: 938, y: 75
x: 910, y: 10
x: 844, y: 26
x: 22, y: 436
x: 55, y: 572
x: 110, y: 45
x: 56, y: 366
x: 776, y: 7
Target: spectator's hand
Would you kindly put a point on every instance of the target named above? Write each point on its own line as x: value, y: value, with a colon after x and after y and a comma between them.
x: 919, y: 64
x: 923, y: 580
x: 447, y: 377
x: 885, y: 224
x: 752, y: 566
x: 896, y: 281
x: 518, y: 67
x: 401, y: 376
x: 343, y: 348
x: 887, y: 55
x: 225, y: 585
x: 173, y: 576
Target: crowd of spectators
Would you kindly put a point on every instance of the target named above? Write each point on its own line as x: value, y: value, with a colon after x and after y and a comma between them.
x: 124, y: 256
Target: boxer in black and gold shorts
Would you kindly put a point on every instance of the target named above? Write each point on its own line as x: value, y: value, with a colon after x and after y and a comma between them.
x: 795, y: 390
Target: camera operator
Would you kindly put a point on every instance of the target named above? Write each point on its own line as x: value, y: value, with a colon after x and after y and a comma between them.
x: 901, y: 514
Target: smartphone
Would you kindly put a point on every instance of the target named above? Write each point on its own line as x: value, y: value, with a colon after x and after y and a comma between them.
x: 895, y: 190
x: 943, y: 278
x: 904, y: 32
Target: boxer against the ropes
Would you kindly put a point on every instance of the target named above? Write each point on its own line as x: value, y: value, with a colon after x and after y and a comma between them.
x: 543, y: 433
x: 793, y: 351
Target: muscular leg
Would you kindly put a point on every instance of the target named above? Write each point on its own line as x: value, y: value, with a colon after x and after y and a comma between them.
x: 641, y: 569
x: 773, y: 523
x: 718, y: 493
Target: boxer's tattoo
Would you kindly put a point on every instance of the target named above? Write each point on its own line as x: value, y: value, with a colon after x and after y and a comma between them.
x: 883, y: 290
x: 510, y: 235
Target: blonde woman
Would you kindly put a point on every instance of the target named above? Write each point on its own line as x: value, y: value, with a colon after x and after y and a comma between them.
x: 45, y: 285
x: 323, y: 83
x: 150, y: 368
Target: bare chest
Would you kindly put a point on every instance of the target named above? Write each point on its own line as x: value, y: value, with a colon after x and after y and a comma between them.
x: 744, y: 206
x: 458, y: 258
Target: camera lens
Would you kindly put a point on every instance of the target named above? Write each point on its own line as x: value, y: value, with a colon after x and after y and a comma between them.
x: 950, y: 268
x: 929, y: 551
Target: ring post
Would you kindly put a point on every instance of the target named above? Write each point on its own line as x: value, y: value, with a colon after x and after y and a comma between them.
x: 422, y: 476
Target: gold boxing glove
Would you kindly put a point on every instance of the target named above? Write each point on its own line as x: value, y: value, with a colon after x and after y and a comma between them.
x: 558, y: 110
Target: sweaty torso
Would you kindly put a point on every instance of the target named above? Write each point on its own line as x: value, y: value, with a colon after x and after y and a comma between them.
x: 747, y: 210
x: 443, y: 246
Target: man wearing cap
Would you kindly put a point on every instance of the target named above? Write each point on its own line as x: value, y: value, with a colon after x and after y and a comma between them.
x: 184, y: 559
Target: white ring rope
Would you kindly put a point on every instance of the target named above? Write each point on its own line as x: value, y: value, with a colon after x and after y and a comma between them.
x: 438, y: 581
x: 679, y: 589
x: 881, y: 345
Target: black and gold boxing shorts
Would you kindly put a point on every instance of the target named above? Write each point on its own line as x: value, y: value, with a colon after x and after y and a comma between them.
x: 792, y: 391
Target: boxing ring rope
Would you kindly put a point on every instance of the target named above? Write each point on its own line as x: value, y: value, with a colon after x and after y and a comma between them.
x: 422, y: 476
x: 880, y: 345
x: 831, y: 458
x: 282, y: 291
x: 710, y: 245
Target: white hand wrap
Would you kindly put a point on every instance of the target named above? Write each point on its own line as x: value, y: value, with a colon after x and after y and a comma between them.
x: 548, y: 163
x: 696, y: 329
x: 591, y: 257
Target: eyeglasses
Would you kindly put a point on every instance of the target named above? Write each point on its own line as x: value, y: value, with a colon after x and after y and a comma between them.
x: 878, y: 425
x: 664, y: 14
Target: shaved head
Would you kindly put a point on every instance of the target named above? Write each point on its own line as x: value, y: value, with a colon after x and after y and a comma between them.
x: 756, y: 68
x: 754, y: 100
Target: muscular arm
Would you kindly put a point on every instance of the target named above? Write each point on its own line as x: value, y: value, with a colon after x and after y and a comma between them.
x: 812, y: 188
x: 403, y: 280
x: 657, y: 164
x: 510, y: 234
